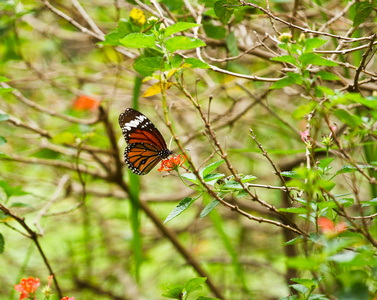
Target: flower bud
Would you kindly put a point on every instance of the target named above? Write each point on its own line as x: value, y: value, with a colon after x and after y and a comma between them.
x: 301, y: 39
x: 285, y: 37
x: 152, y: 20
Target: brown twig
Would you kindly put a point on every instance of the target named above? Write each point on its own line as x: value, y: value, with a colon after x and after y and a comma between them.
x: 355, y: 87
x: 48, y: 111
x: 304, y: 30
x: 34, y: 237
x: 230, y: 167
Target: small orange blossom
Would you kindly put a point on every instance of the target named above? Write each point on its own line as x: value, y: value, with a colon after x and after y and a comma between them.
x: 172, y: 163
x: 27, y: 287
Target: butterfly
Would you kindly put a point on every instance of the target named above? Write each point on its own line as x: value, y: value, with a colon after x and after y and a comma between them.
x: 146, y: 146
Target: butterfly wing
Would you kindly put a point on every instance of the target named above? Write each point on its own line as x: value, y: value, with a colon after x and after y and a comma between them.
x: 141, y: 158
x: 137, y: 128
x: 146, y: 146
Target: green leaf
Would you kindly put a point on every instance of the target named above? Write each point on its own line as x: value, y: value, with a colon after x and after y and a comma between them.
x: 4, y: 79
x: 242, y: 193
x: 309, y: 283
x: 318, y: 297
x: 209, y: 208
x: 232, y: 185
x: 124, y: 28
x: 64, y: 138
x: 349, y: 169
x: 180, y: 26
x: 346, y: 202
x: 5, y: 90
x: 231, y: 44
x: 286, y: 58
x: 46, y: 153
x: 300, y: 288
x: 211, y: 178
x: 196, y: 63
x: 2, y: 243
x: 111, y: 39
x: 211, y: 167
x: 138, y: 40
x: 290, y: 174
x: 20, y: 204
x: 174, y: 291
x: 223, y: 13
x: 12, y: 191
x: 247, y: 178
x: 285, y: 81
x: 303, y: 110
x: 3, y: 140
x: 344, y: 257
x: 372, y: 202
x: 194, y: 283
x: 176, y: 61
x: 146, y: 66
x: 294, y: 241
x: 327, y: 75
x: 190, y: 176
x: 291, y: 297
x: 290, y: 79
x: 311, y: 44
x: 207, y: 298
x: 183, y: 43
x: 3, y: 155
x: 351, y: 120
x: 315, y: 59
x: 214, y: 32
x: 323, y: 90
x: 304, y: 263
x: 324, y: 163
x: 293, y: 210
x: 4, y: 117
x: 363, y: 11
x: 368, y: 101
x: 180, y: 208
x: 2, y: 216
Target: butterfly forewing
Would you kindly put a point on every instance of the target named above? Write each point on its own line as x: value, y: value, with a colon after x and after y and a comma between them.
x: 146, y: 146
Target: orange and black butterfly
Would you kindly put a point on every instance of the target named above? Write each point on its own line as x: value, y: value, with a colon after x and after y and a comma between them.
x: 146, y: 146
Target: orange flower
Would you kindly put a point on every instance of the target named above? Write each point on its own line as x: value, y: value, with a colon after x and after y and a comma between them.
x: 329, y: 228
x: 86, y: 103
x: 66, y: 298
x: 27, y: 287
x: 172, y: 163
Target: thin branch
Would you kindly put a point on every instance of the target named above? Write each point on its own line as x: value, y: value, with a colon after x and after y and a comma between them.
x: 54, y: 198
x: 84, y: 29
x: 87, y: 18
x: 238, y: 75
x: 19, y: 123
x: 304, y: 30
x: 48, y: 111
x: 362, y: 64
x: 230, y: 167
x: 93, y: 171
x: 338, y: 15
x: 34, y: 237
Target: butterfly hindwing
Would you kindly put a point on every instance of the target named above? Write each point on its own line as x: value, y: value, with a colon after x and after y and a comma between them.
x: 146, y: 146
x: 140, y: 159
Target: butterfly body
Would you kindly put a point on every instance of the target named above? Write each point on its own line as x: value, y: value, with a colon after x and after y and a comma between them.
x: 146, y: 146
